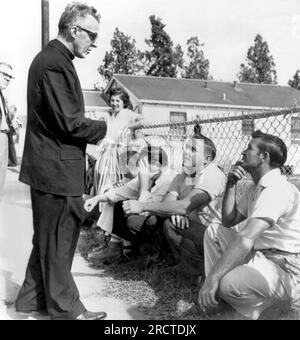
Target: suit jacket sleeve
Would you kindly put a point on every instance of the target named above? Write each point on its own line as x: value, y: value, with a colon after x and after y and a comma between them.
x: 64, y: 101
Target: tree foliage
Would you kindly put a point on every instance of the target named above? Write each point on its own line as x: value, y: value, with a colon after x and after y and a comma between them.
x: 160, y: 60
x: 260, y: 66
x: 179, y: 62
x: 123, y: 58
x: 198, y: 65
x: 295, y: 82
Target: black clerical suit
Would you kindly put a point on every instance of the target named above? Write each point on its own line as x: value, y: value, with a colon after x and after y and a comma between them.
x: 54, y: 166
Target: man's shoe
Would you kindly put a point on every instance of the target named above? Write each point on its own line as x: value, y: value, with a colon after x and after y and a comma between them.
x: 42, y: 312
x: 103, y: 242
x: 93, y: 316
x: 109, y: 255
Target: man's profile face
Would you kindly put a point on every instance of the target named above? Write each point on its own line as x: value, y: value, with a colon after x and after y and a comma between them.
x: 193, y: 156
x: 251, y: 157
x: 86, y: 36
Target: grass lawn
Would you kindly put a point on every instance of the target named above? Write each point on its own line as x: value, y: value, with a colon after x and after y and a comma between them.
x: 160, y: 292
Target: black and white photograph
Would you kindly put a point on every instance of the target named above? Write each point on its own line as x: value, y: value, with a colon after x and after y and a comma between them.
x: 150, y: 162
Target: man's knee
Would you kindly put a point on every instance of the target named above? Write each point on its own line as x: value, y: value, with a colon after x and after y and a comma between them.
x: 230, y: 289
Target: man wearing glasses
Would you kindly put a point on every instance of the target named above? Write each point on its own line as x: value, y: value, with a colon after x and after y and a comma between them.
x: 54, y: 167
x: 6, y: 125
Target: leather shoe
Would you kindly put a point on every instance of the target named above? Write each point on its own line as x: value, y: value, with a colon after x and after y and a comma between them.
x: 87, y: 315
x: 42, y: 312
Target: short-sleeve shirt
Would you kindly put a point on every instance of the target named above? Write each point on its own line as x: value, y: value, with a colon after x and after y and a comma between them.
x: 277, y: 201
x: 212, y: 181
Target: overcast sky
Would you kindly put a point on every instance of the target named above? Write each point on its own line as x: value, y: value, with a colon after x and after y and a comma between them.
x: 226, y: 27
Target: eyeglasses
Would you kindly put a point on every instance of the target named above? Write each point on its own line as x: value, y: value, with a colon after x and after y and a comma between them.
x: 92, y: 35
x: 6, y: 76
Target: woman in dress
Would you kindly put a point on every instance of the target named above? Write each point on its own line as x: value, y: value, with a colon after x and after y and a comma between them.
x: 108, y: 169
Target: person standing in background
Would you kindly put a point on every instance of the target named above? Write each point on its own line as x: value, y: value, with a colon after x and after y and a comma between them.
x: 53, y: 166
x: 12, y: 153
x: 6, y: 125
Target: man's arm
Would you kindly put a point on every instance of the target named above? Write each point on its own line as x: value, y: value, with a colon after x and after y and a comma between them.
x: 145, y: 180
x: 234, y: 255
x: 90, y: 203
x: 114, y: 195
x: 197, y: 198
x: 230, y: 214
x: 66, y: 110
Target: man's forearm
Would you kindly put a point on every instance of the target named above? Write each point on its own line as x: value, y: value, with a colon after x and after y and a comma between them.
x: 229, y: 205
x: 166, y: 208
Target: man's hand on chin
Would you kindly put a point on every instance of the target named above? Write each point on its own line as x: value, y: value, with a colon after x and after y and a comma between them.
x: 133, y: 207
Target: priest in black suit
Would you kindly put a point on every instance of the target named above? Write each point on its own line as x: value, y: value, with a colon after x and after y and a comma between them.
x: 53, y: 166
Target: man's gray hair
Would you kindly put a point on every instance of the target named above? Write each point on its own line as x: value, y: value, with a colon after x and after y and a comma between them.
x: 74, y: 11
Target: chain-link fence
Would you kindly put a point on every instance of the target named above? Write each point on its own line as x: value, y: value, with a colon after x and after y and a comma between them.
x: 231, y: 135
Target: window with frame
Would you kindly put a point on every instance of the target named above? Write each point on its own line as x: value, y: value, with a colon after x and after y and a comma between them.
x: 177, y: 118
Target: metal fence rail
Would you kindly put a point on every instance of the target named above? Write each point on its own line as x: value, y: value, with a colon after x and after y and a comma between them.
x: 231, y: 135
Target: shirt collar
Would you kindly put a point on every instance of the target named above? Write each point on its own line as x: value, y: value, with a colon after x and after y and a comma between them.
x: 270, y: 178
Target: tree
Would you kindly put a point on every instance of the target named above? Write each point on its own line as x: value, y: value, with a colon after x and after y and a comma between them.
x: 160, y: 61
x: 123, y: 58
x: 295, y: 83
x: 178, y: 56
x: 198, y: 66
x: 260, y: 65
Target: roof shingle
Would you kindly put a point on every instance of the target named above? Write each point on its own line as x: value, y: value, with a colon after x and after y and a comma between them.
x: 209, y: 92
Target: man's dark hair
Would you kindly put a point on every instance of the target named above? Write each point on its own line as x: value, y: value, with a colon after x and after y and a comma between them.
x: 74, y: 11
x: 151, y: 153
x: 208, y: 144
x: 275, y: 147
x: 118, y: 91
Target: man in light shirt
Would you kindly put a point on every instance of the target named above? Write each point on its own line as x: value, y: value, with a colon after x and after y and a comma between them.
x: 150, y: 185
x: 193, y: 202
x: 6, y: 125
x: 258, y: 267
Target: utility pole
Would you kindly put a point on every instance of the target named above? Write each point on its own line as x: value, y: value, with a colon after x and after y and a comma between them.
x: 45, y: 23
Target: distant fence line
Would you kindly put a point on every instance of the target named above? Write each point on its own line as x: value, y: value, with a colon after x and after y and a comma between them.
x: 231, y: 135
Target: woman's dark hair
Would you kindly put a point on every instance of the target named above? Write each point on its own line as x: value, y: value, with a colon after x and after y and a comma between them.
x: 274, y: 146
x: 118, y: 91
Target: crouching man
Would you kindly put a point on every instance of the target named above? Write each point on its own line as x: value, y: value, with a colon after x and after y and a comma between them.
x: 151, y: 184
x: 193, y: 202
x: 258, y: 267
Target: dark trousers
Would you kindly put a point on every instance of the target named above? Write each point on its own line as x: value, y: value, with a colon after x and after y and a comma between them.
x: 49, y: 283
x: 12, y: 154
x: 144, y: 232
x: 120, y: 224
x: 190, y: 252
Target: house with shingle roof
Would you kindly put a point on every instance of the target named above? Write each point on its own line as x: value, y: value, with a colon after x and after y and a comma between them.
x: 95, y: 102
x: 162, y: 100
x: 176, y: 100
x: 168, y: 99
